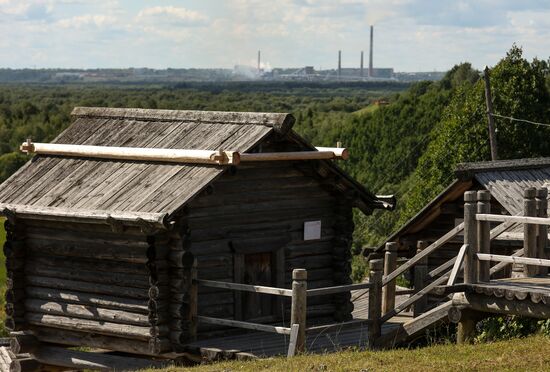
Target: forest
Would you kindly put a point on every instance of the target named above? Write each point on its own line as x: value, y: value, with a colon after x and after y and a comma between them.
x: 407, y: 146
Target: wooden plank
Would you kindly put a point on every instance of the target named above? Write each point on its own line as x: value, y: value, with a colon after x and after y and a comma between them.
x: 336, y: 289
x: 424, y: 253
x: 245, y: 325
x: 458, y: 265
x: 293, y: 340
x: 513, y: 219
x: 514, y: 259
x: 80, y: 360
x: 246, y: 287
x: 501, y: 265
x: 424, y: 291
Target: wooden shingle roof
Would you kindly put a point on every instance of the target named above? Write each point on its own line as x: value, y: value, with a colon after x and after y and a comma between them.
x: 130, y: 190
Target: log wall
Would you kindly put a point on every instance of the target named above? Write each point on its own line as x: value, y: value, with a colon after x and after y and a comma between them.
x: 86, y: 285
x: 262, y: 208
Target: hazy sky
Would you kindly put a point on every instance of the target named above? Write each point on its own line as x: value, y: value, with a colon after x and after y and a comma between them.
x: 410, y: 35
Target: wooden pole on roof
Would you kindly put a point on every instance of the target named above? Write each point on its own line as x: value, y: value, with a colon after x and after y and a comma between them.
x: 491, y: 123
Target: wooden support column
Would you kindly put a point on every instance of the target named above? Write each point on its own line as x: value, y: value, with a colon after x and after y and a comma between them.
x: 390, y: 264
x: 542, y: 230
x: 483, y: 235
x: 375, y: 299
x: 298, y: 310
x: 466, y: 325
x: 530, y: 230
x: 470, y: 232
x: 420, y: 275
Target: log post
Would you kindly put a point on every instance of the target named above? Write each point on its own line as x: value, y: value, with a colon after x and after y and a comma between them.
x: 298, y: 310
x: 530, y: 230
x: 470, y: 232
x: 420, y: 275
x: 375, y: 306
x: 390, y: 264
x: 542, y: 233
x: 483, y: 235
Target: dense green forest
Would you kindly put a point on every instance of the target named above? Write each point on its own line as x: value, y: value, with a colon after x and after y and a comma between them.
x: 408, y: 147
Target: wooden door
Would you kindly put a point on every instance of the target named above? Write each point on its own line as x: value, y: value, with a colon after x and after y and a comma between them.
x: 258, y: 270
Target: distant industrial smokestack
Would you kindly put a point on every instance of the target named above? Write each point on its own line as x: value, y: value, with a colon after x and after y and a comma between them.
x: 259, y: 61
x: 339, y: 64
x: 371, y: 71
x: 362, y: 73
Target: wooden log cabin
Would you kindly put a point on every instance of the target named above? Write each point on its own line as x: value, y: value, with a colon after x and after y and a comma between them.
x: 504, y: 179
x: 99, y: 250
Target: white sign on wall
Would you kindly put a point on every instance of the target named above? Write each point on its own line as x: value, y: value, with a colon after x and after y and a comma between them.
x: 312, y: 230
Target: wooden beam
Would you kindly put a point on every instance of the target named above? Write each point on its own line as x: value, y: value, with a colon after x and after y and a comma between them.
x: 514, y: 259
x: 245, y: 325
x: 339, y: 152
x: 424, y: 253
x: 411, y: 300
x: 298, y: 309
x: 375, y: 302
x: 293, y: 340
x: 63, y: 214
x: 530, y: 230
x: 336, y: 289
x: 287, y: 156
x: 218, y: 157
x: 492, y: 304
x: 390, y: 264
x: 513, y: 219
x: 246, y: 287
x: 501, y: 265
x: 458, y: 264
x: 78, y: 360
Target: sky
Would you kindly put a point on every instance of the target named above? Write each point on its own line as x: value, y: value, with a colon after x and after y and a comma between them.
x: 410, y: 35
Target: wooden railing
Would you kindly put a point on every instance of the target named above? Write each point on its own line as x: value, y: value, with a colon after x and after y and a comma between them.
x: 444, y: 277
x: 298, y: 312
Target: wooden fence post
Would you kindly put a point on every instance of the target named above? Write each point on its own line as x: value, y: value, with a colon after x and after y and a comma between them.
x: 530, y: 230
x: 390, y: 264
x: 420, y: 275
x: 375, y: 305
x: 483, y: 235
x: 298, y: 310
x: 542, y: 233
x: 470, y: 232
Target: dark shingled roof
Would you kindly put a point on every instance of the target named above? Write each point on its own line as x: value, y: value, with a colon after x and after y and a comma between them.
x: 150, y: 190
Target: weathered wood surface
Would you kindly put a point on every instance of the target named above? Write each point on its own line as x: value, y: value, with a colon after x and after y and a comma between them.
x: 425, y: 252
x: 514, y: 259
x: 246, y: 287
x: 483, y: 234
x: 514, y: 219
x: 245, y: 325
x: 390, y: 264
x: 185, y: 156
x: 79, y: 360
x: 459, y: 262
x: 484, y: 303
x: 94, y: 340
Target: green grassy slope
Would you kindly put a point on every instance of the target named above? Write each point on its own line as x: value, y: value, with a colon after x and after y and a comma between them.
x: 528, y: 354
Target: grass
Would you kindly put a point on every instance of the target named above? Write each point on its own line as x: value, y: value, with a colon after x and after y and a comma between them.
x: 526, y: 354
